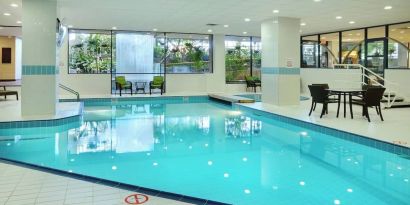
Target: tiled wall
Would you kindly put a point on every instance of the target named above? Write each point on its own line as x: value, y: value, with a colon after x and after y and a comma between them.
x: 40, y: 70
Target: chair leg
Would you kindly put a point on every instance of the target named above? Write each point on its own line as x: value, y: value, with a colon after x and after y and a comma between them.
x: 314, y: 107
x: 120, y: 91
x: 377, y: 109
x: 150, y: 92
x: 380, y: 112
x: 367, y: 113
x: 323, y: 110
x: 17, y: 96
x: 311, y: 107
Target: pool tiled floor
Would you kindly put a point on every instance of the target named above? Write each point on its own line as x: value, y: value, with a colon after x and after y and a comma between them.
x: 21, y: 186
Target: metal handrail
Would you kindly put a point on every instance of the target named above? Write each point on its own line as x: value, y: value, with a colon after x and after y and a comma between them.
x: 77, y: 94
x: 389, y: 100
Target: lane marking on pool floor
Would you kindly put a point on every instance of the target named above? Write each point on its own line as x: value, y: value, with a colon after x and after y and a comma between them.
x: 136, y: 199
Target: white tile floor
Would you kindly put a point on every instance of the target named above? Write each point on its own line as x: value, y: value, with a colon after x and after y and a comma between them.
x: 21, y: 186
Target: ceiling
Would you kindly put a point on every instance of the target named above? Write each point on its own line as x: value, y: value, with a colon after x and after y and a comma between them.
x: 191, y: 16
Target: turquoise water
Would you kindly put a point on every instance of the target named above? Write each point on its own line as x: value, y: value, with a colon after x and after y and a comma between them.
x: 210, y: 151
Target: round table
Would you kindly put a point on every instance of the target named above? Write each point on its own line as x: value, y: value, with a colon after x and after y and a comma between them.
x: 140, y: 85
x: 345, y: 91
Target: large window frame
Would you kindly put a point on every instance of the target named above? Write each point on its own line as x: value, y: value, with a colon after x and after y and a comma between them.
x: 253, y: 40
x: 366, y: 34
x: 112, y: 32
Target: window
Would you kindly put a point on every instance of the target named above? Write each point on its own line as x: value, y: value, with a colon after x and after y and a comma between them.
x: 310, y: 51
x: 353, y: 47
x: 256, y: 57
x: 376, y: 32
x: 132, y: 52
x: 399, y: 46
x: 329, y: 50
x: 188, y: 53
x: 89, y: 51
x: 243, y: 57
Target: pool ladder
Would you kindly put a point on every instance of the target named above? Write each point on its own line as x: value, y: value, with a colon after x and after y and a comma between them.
x: 77, y: 94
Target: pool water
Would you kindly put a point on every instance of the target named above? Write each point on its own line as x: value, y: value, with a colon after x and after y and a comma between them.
x: 211, y: 151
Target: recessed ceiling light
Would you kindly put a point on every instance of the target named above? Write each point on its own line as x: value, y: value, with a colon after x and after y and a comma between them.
x: 247, y: 19
x: 14, y: 5
x: 303, y: 24
x: 114, y: 28
x: 388, y: 7
x: 226, y: 25
x: 352, y: 22
x: 245, y: 32
x: 317, y: 0
x: 339, y: 17
x: 7, y: 14
x: 210, y: 30
x: 155, y: 29
x: 275, y: 11
x: 70, y: 26
x: 19, y: 22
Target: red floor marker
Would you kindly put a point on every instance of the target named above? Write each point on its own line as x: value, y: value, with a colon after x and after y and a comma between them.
x: 136, y: 199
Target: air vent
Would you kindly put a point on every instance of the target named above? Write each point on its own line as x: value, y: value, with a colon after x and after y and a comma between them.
x: 211, y: 24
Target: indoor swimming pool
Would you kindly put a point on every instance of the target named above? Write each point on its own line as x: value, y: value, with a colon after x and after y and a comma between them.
x: 214, y: 151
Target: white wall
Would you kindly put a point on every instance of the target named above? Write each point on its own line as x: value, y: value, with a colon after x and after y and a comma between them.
x: 336, y: 78
x: 401, y: 80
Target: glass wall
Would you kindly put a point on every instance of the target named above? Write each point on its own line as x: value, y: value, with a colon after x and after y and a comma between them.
x: 237, y: 58
x: 310, y: 51
x: 376, y: 48
x: 399, y: 46
x: 89, y: 52
x: 329, y: 50
x: 131, y: 52
x: 256, y: 57
x: 353, y: 47
x: 188, y: 53
x: 242, y: 58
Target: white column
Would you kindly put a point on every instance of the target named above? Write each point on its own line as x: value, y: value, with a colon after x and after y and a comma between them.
x: 39, y: 82
x: 281, y: 61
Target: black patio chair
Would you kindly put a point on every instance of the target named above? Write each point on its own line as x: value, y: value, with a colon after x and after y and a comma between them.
x: 372, y: 97
x: 320, y: 95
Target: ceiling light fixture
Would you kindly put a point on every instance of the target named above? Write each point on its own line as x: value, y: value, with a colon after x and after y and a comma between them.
x: 352, y: 22
x: 275, y: 11
x: 247, y: 19
x: 14, y: 5
x: 245, y: 32
x: 70, y: 26
x: 317, y: 0
x: 114, y: 28
x: 7, y: 14
x: 303, y: 24
x: 388, y: 7
x: 155, y: 29
x: 19, y: 22
x: 209, y: 30
x: 339, y: 17
x: 226, y: 25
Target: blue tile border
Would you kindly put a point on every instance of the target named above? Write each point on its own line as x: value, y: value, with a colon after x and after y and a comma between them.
x: 360, y: 139
x: 280, y: 71
x: 161, y: 99
x: 41, y: 123
x: 129, y: 187
x: 40, y: 70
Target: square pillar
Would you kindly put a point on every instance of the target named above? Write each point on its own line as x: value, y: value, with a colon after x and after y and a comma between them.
x: 39, y: 74
x: 281, y: 61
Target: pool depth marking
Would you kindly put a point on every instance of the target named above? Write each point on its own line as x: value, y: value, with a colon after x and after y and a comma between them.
x: 136, y: 199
